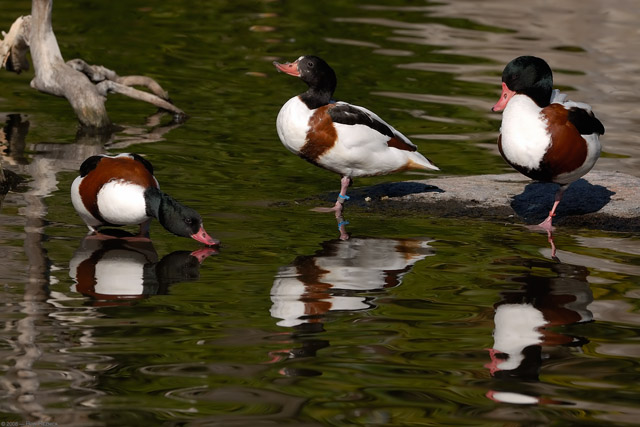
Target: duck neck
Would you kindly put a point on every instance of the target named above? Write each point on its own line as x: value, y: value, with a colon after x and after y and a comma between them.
x: 154, y: 199
x: 316, y: 97
x: 540, y: 93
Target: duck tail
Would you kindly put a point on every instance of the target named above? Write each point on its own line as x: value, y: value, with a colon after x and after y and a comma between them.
x: 420, y: 162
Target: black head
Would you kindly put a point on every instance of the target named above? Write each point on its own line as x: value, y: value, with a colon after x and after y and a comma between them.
x: 531, y: 76
x: 315, y: 72
x: 179, y: 219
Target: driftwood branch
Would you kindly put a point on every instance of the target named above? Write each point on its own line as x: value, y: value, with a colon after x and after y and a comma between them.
x: 84, y: 86
x: 107, y: 86
x: 98, y: 73
x: 14, y: 47
x: 108, y: 81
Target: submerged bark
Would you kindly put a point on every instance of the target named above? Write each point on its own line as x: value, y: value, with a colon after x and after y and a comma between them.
x: 84, y: 86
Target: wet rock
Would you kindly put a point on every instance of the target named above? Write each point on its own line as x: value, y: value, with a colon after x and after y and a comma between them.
x: 601, y: 200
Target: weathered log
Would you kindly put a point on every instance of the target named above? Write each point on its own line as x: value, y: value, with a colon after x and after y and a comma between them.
x: 55, y: 77
x: 109, y: 81
x: 98, y: 73
x: 84, y: 86
x: 14, y: 47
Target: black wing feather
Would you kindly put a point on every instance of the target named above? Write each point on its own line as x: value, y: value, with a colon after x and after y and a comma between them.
x: 89, y: 164
x: 349, y: 115
x: 585, y: 121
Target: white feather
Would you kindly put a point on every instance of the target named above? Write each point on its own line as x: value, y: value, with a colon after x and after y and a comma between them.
x: 557, y: 97
x: 293, y: 123
x: 359, y: 150
x: 561, y: 98
x: 525, y: 139
x: 122, y: 203
x: 376, y: 117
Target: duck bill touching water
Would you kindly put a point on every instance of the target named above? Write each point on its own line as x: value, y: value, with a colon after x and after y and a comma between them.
x: 340, y: 137
x: 543, y: 135
x: 121, y: 190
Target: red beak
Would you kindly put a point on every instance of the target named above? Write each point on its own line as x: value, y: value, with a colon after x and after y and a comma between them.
x: 505, y: 96
x: 202, y: 237
x: 290, y: 68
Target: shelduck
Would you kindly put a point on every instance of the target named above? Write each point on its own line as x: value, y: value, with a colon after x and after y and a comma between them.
x: 340, y: 137
x: 543, y: 135
x: 121, y: 190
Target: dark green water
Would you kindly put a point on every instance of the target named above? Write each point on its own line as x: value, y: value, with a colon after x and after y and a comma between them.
x: 288, y: 324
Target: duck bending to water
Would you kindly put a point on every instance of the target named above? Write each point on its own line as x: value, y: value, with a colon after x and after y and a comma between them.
x: 121, y: 190
x: 543, y: 135
x: 343, y: 138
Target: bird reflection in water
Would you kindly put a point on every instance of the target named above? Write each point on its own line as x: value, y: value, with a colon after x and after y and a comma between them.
x: 552, y: 243
x: 523, y: 337
x: 331, y: 280
x: 342, y: 227
x: 120, y: 270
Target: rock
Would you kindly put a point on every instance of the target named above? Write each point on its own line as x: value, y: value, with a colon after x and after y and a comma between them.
x: 601, y: 200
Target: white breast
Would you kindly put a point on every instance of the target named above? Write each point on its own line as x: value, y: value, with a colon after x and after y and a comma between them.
x: 122, y: 203
x: 525, y: 139
x: 293, y: 123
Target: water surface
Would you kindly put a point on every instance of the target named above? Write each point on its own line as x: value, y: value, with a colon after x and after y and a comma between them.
x: 413, y: 320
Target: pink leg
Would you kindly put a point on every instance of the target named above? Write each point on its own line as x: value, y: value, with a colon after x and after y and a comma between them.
x: 546, y: 224
x: 345, y: 182
x: 342, y: 197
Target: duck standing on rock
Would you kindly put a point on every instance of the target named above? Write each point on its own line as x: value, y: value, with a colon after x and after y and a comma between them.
x: 543, y: 135
x: 343, y: 138
x: 121, y: 190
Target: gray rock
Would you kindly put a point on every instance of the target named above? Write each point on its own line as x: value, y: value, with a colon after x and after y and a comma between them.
x: 601, y: 200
